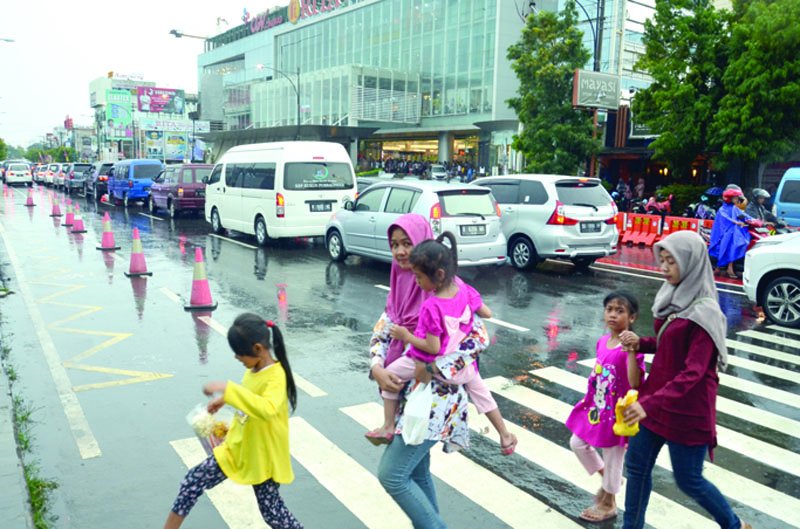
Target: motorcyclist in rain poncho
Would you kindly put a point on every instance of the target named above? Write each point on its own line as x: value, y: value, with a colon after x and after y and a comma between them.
x: 729, y: 235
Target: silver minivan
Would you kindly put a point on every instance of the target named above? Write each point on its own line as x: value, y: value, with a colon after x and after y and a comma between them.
x: 557, y: 217
x: 467, y: 211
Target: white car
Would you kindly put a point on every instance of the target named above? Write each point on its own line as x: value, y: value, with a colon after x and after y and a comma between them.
x: 18, y: 173
x: 772, y: 278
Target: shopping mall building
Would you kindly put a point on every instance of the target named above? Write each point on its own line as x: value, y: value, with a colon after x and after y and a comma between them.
x: 422, y: 79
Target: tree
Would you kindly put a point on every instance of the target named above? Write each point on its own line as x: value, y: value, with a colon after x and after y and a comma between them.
x: 758, y: 119
x: 556, y: 137
x: 686, y: 55
x: 3, y: 149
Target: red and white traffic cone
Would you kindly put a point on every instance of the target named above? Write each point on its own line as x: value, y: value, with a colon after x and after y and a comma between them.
x: 107, y: 244
x: 201, y: 293
x: 70, y: 217
x: 138, y: 267
x: 77, y: 226
x: 29, y: 202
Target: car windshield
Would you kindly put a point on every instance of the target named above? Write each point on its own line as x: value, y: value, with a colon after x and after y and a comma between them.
x: 313, y: 176
x: 578, y: 193
x: 199, y: 174
x: 17, y: 167
x: 82, y: 167
x: 468, y: 202
x: 146, y: 171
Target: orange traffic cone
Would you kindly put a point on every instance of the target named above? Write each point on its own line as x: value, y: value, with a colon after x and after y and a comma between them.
x: 29, y: 202
x: 201, y: 293
x: 107, y: 244
x: 138, y: 267
x: 70, y: 217
x: 56, y: 210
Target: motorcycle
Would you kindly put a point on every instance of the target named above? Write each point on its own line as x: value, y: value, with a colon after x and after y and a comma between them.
x: 700, y: 210
x: 656, y: 207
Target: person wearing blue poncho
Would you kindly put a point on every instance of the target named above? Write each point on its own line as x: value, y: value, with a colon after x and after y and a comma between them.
x: 729, y: 235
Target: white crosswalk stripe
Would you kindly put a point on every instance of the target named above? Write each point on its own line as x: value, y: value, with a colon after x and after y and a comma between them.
x: 787, y: 330
x: 763, y: 351
x: 767, y: 337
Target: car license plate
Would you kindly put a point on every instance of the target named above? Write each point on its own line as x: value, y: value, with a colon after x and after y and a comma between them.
x: 319, y: 207
x: 590, y: 227
x: 473, y: 229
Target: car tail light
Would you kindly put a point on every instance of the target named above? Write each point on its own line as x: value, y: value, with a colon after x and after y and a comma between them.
x: 497, y: 209
x: 180, y: 191
x: 280, y: 206
x: 10, y: 173
x: 613, y: 220
x: 102, y: 178
x: 130, y: 184
x: 436, y: 218
x: 559, y: 219
x: 72, y: 175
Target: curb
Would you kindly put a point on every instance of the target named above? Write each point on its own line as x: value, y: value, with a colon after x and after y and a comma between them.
x: 15, y: 504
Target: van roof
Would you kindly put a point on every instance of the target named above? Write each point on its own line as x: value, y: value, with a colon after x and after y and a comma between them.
x: 305, y: 147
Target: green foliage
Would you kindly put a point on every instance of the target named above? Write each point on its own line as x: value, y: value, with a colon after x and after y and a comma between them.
x: 36, y: 153
x: 758, y: 117
x: 3, y: 149
x: 683, y: 195
x: 556, y: 138
x: 686, y: 55
x: 371, y: 172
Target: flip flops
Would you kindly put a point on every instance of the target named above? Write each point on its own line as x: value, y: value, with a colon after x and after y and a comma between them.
x: 508, y: 449
x: 594, y: 514
x: 379, y: 439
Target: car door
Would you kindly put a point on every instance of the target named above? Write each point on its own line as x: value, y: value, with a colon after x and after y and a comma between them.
x: 230, y: 202
x: 360, y: 226
x: 401, y: 200
x: 160, y: 188
x: 533, y: 212
x: 506, y: 193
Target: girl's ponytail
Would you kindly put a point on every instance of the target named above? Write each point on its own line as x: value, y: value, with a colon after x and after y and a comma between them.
x: 279, y: 349
x: 452, y: 241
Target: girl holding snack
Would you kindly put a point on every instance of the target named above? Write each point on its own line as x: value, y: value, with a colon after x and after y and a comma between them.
x: 592, y: 419
x: 256, y: 449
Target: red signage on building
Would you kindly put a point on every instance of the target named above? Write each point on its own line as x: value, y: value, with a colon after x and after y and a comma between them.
x: 307, y: 8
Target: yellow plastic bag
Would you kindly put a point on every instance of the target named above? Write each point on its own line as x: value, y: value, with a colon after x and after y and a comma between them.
x: 620, y: 428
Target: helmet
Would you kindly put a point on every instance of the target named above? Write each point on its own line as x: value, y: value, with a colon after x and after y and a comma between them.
x: 760, y: 193
x: 728, y: 195
x: 733, y: 186
x: 615, y: 195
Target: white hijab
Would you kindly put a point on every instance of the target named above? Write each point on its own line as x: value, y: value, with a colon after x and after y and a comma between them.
x: 695, y: 298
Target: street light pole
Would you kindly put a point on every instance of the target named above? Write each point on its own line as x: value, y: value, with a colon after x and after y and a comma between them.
x: 295, y: 86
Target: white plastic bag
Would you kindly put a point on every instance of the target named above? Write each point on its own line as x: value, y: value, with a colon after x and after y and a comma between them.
x: 210, y: 429
x: 417, y: 414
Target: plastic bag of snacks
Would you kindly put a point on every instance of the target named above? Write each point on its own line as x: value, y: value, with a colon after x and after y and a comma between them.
x: 210, y: 429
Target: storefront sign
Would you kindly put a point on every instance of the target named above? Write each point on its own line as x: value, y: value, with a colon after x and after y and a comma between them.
x: 169, y: 125
x: 299, y: 9
x: 167, y: 100
x: 595, y: 90
x: 639, y: 130
x: 265, y: 21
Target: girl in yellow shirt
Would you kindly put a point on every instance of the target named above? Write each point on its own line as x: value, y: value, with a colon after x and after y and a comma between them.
x: 256, y: 449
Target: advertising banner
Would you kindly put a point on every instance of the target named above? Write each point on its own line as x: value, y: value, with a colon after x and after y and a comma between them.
x: 168, y: 100
x: 173, y: 125
x: 119, y: 115
x: 154, y: 144
x: 175, y: 146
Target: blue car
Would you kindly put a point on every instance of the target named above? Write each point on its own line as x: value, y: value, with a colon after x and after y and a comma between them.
x: 131, y: 180
x: 787, y: 198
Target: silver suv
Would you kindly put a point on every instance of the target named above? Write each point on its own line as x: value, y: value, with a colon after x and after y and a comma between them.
x: 551, y: 216
x: 467, y: 211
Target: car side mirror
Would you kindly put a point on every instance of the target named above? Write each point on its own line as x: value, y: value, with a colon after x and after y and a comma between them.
x: 205, y: 180
x: 349, y: 205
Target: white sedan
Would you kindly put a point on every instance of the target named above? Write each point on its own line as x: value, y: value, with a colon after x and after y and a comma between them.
x: 772, y: 278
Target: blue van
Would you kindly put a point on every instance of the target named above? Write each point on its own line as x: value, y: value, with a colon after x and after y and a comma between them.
x: 787, y: 198
x: 130, y: 180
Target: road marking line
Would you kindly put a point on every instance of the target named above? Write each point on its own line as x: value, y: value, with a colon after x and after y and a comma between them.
x: 171, y: 295
x: 762, y: 351
x: 349, y: 482
x: 784, y: 329
x: 490, y: 320
x: 485, y: 488
x: 600, y: 264
x: 758, y: 367
x: 234, y: 241
x: 766, y: 337
x: 746, y: 491
x: 600, y: 269
x: 746, y: 386
x: 299, y: 381
x: 235, y: 503
x: 150, y: 216
x: 767, y: 453
x: 662, y: 513
x: 78, y: 424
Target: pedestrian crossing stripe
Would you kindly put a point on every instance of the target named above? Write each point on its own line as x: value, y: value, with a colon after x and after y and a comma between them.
x: 763, y: 351
x: 771, y: 338
x: 732, y: 485
x: 769, y: 454
x: 764, y: 369
x: 746, y: 386
x: 514, y: 507
x: 787, y: 330
x: 737, y: 409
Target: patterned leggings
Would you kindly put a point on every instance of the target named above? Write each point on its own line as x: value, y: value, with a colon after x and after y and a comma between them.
x: 208, y: 475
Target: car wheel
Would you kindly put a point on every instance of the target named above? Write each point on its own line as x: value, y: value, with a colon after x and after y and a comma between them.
x: 261, y: 231
x: 151, y: 205
x: 781, y: 301
x: 523, y: 254
x: 583, y: 263
x: 173, y: 212
x: 336, y: 246
x: 216, y: 225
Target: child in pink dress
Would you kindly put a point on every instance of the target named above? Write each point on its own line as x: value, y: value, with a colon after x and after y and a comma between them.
x: 445, y: 319
x: 592, y: 419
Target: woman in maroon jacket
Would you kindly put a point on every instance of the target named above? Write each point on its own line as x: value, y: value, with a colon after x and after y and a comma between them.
x: 677, y: 402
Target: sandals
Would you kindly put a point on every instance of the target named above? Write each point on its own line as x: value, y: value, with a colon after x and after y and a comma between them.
x: 594, y: 514
x: 509, y: 449
x: 379, y: 439
x: 732, y: 276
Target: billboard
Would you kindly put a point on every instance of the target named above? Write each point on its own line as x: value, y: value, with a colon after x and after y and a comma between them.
x: 154, y: 144
x: 171, y: 125
x: 595, y: 90
x: 119, y: 115
x: 160, y: 100
x: 175, y: 147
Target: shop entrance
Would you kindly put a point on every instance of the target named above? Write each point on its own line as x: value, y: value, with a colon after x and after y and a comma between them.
x: 465, y: 150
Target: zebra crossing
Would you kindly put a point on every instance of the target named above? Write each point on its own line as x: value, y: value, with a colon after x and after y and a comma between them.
x: 748, y: 426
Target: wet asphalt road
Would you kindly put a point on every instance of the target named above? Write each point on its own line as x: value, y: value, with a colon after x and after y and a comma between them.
x: 89, y: 342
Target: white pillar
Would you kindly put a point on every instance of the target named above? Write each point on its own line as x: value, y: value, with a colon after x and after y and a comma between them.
x: 354, y: 152
x: 446, y: 146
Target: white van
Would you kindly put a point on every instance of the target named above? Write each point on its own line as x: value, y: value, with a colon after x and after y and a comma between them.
x: 282, y: 189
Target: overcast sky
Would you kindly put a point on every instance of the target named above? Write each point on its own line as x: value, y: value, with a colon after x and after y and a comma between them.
x: 61, y: 46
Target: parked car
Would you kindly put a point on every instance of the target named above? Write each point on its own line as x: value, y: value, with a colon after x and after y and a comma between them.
x: 50, y: 176
x: 18, y: 173
x: 558, y: 217
x: 179, y: 188
x: 787, y: 198
x: 363, y: 182
x: 468, y: 212
x: 130, y: 180
x: 76, y: 176
x: 60, y: 175
x: 772, y: 278
x: 5, y: 163
x: 96, y: 184
x: 40, y: 176
x: 438, y: 172
x: 281, y: 189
